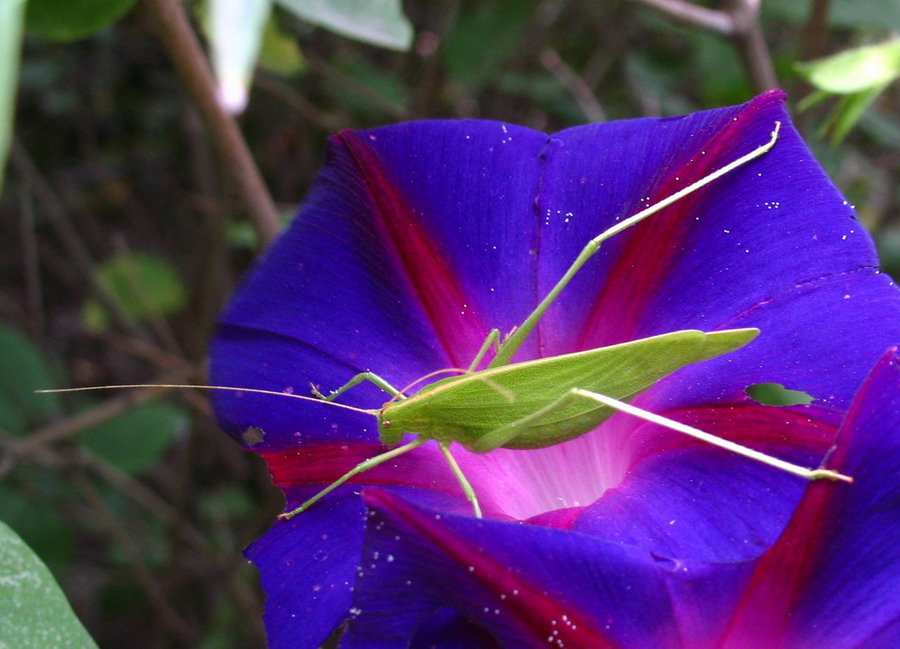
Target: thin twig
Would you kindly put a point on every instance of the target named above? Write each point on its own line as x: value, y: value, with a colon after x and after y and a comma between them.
x: 33, y: 293
x: 566, y: 76
x: 815, y: 30
x: 303, y: 106
x: 189, y: 60
x: 693, y: 15
x: 147, y: 351
x: 740, y: 22
x: 52, y: 207
x: 211, y: 275
x: 751, y: 43
x: 394, y: 109
x: 144, y: 497
x: 156, y: 594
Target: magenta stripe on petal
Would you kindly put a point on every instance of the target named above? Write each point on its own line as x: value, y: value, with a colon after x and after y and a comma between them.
x: 433, y: 281
x: 323, y: 463
x: 832, y: 578
x: 645, y: 260
x: 522, y: 599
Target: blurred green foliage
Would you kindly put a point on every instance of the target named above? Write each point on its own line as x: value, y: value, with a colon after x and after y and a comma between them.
x: 142, y: 286
x: 141, y: 510
x: 69, y: 20
x: 858, y: 75
x: 24, y: 370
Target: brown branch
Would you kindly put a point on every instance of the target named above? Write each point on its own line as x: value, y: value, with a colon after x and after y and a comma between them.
x: 53, y: 208
x: 578, y: 88
x: 751, y: 44
x: 815, y: 30
x: 183, y: 47
x: 740, y: 22
x: 693, y: 15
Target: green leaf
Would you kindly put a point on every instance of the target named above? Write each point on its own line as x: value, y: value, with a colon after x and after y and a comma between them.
x: 484, y: 38
x: 280, y: 54
x: 374, y: 93
x: 235, y: 34
x: 25, y: 369
x: 377, y: 22
x: 34, y: 612
x: 137, y: 439
x: 849, y: 111
x: 855, y: 70
x: 11, y: 14
x: 69, y: 20
x: 775, y: 394
x: 144, y: 286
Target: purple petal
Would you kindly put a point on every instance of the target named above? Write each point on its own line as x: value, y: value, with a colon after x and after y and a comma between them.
x: 446, y: 629
x: 820, y: 337
x: 308, y: 564
x: 685, y: 499
x: 833, y: 577
x: 391, y: 266
x: 304, y: 568
x: 418, y: 238
x: 765, y: 228
x: 504, y: 577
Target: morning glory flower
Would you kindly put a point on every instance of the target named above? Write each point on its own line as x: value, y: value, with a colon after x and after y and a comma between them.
x: 418, y: 238
x: 830, y: 579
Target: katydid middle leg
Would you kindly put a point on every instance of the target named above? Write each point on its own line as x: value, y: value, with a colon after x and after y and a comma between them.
x: 492, y: 340
x: 461, y: 478
x: 363, y: 466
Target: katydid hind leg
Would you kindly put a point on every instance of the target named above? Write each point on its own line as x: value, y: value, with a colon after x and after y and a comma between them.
x: 371, y: 377
x: 511, y: 345
x: 696, y: 433
x: 362, y: 467
x: 508, y: 432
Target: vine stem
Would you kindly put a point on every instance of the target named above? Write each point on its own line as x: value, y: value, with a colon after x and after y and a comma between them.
x: 190, y: 63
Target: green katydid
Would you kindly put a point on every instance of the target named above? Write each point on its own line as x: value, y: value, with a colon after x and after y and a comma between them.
x: 543, y: 402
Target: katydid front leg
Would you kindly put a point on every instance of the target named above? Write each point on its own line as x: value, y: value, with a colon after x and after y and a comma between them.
x: 492, y: 340
x: 511, y: 345
x: 356, y: 380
